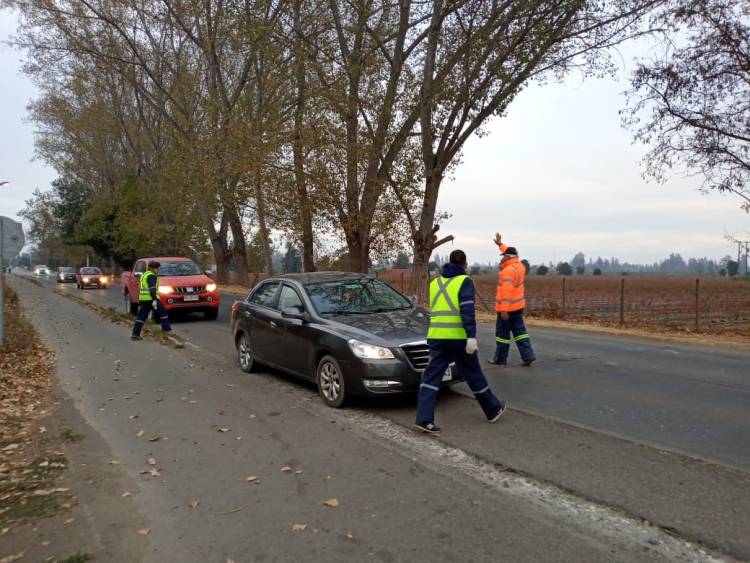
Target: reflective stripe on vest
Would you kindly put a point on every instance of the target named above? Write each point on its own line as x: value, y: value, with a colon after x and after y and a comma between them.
x: 445, y: 316
x: 144, y: 294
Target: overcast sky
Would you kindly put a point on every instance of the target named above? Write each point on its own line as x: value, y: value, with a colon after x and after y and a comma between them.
x: 558, y: 175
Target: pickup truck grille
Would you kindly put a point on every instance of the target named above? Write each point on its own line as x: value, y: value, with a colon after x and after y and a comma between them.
x: 190, y: 289
x: 418, y: 354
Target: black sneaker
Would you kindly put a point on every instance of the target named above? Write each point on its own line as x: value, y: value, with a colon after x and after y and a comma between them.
x: 528, y: 362
x: 428, y: 427
x: 134, y: 337
x: 500, y: 413
x: 496, y: 363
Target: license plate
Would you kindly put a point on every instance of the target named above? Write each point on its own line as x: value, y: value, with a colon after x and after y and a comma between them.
x: 448, y: 375
x: 191, y: 298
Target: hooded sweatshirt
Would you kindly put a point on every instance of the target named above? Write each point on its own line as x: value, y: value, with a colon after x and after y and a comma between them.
x: 465, y: 298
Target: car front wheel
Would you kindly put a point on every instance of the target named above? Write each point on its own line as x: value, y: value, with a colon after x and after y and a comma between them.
x: 330, y: 379
x: 245, y: 354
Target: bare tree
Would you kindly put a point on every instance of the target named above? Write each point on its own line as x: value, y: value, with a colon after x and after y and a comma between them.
x: 691, y: 102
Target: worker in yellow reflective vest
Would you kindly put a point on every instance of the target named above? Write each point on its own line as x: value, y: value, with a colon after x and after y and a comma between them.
x: 510, y: 301
x: 148, y: 297
x: 452, y: 337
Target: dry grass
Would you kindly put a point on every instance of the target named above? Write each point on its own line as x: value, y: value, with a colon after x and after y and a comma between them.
x: 27, y: 468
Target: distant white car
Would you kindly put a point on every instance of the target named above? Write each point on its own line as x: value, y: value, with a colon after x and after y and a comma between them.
x: 41, y: 270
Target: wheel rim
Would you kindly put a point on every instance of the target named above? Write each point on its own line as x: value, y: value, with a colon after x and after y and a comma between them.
x: 127, y: 304
x: 246, y: 355
x: 330, y: 381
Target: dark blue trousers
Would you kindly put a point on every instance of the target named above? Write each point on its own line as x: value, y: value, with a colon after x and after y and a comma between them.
x: 442, y: 353
x: 503, y: 329
x: 160, y: 314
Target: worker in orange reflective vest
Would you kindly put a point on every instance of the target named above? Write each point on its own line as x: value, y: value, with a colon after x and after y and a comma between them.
x: 510, y: 302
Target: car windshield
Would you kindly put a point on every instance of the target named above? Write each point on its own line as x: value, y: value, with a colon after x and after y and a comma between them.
x: 91, y: 271
x: 351, y: 297
x: 179, y: 269
x: 66, y: 270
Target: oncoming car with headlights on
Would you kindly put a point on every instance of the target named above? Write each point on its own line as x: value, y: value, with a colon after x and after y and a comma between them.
x: 351, y: 334
x: 88, y: 276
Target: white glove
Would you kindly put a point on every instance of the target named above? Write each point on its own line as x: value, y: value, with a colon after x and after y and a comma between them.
x: 471, y: 346
x: 155, y: 304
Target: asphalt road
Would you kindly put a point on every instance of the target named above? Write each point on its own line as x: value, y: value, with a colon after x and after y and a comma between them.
x: 183, y: 458
x: 688, y: 399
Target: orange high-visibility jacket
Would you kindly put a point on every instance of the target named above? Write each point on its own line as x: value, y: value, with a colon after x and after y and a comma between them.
x: 510, y: 291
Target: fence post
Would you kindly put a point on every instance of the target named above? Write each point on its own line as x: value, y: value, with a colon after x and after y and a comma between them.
x: 563, y: 296
x: 402, y: 282
x: 697, y: 303
x: 622, y: 301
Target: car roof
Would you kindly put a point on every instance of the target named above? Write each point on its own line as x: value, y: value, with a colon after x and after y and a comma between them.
x: 307, y: 278
x: 167, y: 258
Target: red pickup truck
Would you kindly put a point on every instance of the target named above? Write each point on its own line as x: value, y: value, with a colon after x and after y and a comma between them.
x: 182, y: 285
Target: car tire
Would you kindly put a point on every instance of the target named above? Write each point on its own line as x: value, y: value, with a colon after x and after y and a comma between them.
x: 212, y: 314
x: 130, y: 307
x: 330, y: 380
x: 102, y: 287
x: 245, y: 355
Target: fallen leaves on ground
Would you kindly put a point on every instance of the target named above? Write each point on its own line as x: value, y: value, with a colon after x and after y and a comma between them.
x: 154, y: 438
x: 251, y: 478
x: 193, y: 503
x: 144, y: 531
x: 286, y: 468
x: 141, y: 433
x: 298, y: 527
x: 151, y: 461
x: 224, y: 429
x: 332, y: 502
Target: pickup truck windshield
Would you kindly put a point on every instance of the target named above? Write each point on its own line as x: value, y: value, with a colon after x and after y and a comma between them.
x: 90, y: 271
x: 353, y: 297
x: 179, y: 269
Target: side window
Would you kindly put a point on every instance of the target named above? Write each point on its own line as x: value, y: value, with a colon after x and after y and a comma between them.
x: 265, y: 294
x: 140, y: 266
x: 289, y: 298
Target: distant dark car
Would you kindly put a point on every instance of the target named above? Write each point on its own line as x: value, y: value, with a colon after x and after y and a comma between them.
x: 66, y: 274
x: 88, y: 276
x: 351, y: 334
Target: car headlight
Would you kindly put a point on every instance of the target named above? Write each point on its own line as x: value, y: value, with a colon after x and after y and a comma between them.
x: 103, y: 279
x: 211, y: 287
x: 164, y: 289
x: 86, y: 280
x: 369, y: 351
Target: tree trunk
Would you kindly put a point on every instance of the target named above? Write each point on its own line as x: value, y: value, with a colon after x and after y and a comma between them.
x: 220, y: 249
x: 420, y: 274
x: 239, y: 246
x: 303, y: 200
x: 265, y: 235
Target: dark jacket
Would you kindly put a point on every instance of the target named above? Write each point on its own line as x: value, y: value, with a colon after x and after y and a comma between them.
x: 465, y: 298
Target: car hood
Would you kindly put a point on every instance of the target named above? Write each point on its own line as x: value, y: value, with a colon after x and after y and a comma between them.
x: 181, y: 281
x: 390, y: 328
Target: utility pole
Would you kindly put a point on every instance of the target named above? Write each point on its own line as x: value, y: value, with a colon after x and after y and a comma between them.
x: 742, y: 264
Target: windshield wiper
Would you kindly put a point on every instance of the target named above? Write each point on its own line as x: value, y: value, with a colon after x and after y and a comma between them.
x: 386, y: 309
x: 341, y: 312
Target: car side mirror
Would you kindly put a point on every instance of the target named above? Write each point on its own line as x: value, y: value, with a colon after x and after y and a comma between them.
x: 294, y: 313
x: 412, y: 298
x: 138, y: 274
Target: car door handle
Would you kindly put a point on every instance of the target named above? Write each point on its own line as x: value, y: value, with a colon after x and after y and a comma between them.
x: 273, y: 325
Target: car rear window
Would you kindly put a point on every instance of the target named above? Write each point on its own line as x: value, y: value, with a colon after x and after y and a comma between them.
x: 265, y: 294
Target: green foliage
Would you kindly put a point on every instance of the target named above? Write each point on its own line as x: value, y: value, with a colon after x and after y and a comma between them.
x: 564, y: 269
x: 542, y: 270
x: 402, y: 261
x: 732, y: 268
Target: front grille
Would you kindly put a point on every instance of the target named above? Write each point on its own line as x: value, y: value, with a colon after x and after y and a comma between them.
x: 190, y: 290
x: 418, y: 354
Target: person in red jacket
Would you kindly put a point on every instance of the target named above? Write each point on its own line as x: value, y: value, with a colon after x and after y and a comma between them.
x: 510, y: 303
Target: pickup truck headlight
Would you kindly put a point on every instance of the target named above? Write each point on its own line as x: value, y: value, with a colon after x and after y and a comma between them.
x: 166, y: 289
x: 103, y: 279
x: 211, y: 287
x: 369, y: 351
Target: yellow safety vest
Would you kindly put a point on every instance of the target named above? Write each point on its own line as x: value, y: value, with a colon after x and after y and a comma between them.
x: 144, y: 294
x: 445, y: 315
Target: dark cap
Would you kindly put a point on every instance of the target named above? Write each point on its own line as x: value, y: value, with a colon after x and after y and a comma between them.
x: 511, y: 250
x: 154, y: 264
